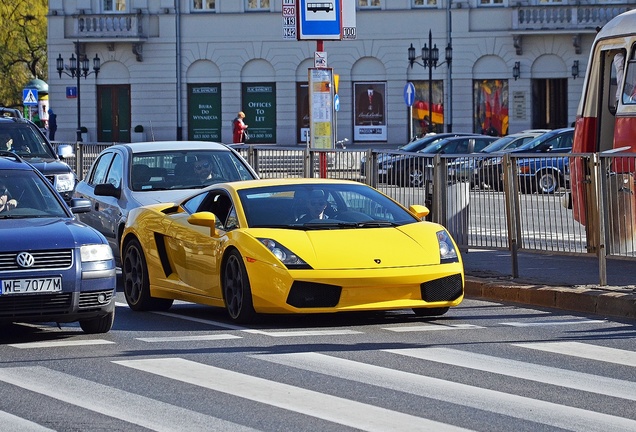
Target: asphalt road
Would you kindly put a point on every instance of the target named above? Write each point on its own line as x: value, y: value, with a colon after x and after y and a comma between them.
x: 484, y: 366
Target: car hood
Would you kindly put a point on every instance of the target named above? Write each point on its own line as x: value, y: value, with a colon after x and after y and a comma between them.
x: 167, y: 196
x: 48, y: 166
x: 45, y: 233
x: 362, y: 248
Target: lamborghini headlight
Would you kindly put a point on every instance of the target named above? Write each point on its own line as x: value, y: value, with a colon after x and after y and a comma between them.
x: 447, y: 252
x: 287, y: 257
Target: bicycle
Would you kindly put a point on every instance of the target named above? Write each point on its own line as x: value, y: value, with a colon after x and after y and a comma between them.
x: 345, y: 159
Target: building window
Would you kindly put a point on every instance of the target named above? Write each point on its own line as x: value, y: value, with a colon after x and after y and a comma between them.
x: 424, y: 3
x: 368, y: 4
x: 114, y: 5
x: 203, y: 5
x: 257, y: 5
x: 549, y: 1
x: 491, y: 2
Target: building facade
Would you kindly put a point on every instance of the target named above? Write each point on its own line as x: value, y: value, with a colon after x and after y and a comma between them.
x: 182, y: 69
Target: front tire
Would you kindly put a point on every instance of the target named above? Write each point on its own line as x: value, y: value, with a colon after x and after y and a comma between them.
x: 136, y: 283
x: 102, y: 324
x: 236, y: 289
x: 430, y: 312
x: 548, y: 182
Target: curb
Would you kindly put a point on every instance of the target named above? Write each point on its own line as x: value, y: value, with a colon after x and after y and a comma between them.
x: 578, y: 299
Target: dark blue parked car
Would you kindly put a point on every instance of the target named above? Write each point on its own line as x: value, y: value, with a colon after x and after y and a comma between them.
x: 53, y: 268
x: 544, y: 174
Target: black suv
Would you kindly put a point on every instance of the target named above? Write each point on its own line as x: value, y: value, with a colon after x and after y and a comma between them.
x: 25, y: 139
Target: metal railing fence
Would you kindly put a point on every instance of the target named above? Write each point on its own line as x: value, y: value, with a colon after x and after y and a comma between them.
x: 519, y: 202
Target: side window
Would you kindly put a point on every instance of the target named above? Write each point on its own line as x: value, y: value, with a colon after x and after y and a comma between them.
x: 98, y: 176
x: 629, y: 88
x: 480, y: 145
x: 616, y: 79
x: 115, y: 172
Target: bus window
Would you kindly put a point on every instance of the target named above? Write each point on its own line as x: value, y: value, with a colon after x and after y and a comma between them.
x: 616, y: 78
x: 629, y: 89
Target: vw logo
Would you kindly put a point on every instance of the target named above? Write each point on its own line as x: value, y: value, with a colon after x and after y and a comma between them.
x: 25, y: 259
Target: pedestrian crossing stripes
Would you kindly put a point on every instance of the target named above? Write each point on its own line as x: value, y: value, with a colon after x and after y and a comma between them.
x: 357, y: 369
x: 327, y: 407
x: 14, y: 423
x: 152, y: 414
x: 592, y: 352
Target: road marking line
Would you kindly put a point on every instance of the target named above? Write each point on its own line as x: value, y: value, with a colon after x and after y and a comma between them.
x: 548, y: 413
x: 14, y: 423
x: 587, y: 351
x: 60, y: 343
x: 109, y: 401
x: 551, y: 323
x: 200, y: 320
x: 432, y: 327
x: 331, y: 408
x: 528, y: 371
x: 304, y: 333
x: 189, y: 338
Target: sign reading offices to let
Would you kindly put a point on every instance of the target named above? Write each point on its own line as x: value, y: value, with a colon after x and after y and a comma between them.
x: 204, y: 108
x: 259, y: 106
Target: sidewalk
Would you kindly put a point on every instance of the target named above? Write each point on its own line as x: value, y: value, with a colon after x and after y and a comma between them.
x: 552, y: 280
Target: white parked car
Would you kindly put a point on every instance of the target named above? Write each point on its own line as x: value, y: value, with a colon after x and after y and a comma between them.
x: 126, y: 176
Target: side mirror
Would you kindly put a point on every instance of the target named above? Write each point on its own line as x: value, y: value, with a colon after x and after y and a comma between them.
x: 419, y: 210
x: 80, y: 205
x: 204, y: 219
x: 107, y: 189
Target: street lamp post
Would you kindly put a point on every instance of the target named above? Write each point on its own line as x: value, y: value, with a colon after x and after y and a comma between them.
x: 78, y: 67
x: 430, y: 57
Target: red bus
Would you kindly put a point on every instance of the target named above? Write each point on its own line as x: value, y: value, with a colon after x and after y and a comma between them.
x: 606, y: 115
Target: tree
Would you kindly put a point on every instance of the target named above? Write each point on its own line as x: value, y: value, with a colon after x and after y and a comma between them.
x: 23, y: 49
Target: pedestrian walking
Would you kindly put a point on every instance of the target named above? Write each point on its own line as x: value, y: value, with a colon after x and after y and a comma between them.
x: 239, y: 129
x: 52, y: 124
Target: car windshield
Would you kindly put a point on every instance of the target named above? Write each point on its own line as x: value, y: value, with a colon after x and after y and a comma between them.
x: 24, y: 140
x: 186, y: 169
x: 420, y: 143
x: 500, y: 144
x: 31, y: 196
x: 321, y: 206
x: 529, y: 145
x: 435, y: 147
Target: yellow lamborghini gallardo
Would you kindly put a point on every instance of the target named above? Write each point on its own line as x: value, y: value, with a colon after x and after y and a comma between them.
x: 290, y: 246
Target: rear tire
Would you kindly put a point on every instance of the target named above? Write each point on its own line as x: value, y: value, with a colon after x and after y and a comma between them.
x: 136, y: 281
x: 236, y: 289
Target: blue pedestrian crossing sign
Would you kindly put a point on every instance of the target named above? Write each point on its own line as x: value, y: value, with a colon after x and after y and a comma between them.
x: 30, y: 96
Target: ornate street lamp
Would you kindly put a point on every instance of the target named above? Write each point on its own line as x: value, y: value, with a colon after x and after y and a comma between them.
x: 430, y: 57
x: 78, y: 67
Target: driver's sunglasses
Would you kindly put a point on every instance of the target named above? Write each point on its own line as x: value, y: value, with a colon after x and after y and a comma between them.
x: 205, y: 165
x: 317, y: 202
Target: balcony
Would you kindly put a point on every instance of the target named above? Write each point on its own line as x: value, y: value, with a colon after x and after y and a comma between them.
x: 109, y: 27
x: 570, y: 19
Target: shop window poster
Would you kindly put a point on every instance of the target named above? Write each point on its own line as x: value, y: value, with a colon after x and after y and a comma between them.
x: 370, y: 111
x: 420, y: 114
x: 491, y: 107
